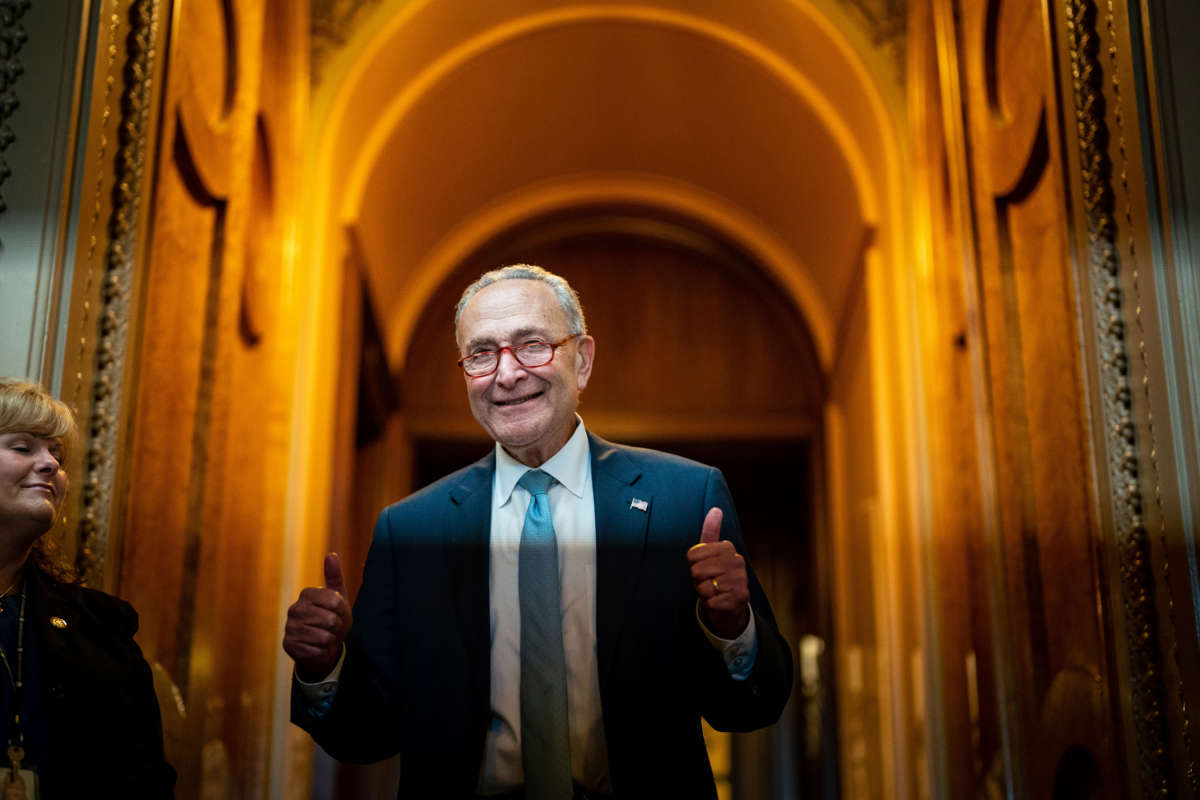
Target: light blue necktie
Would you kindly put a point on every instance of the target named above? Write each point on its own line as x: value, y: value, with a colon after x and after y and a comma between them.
x: 545, y: 735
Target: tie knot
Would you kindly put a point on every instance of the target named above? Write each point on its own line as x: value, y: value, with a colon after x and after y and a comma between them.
x: 535, y: 482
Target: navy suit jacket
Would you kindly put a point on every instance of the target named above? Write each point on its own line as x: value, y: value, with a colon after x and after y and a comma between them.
x: 416, y: 677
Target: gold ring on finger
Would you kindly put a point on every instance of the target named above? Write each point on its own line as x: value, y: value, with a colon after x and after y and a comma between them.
x: 716, y: 588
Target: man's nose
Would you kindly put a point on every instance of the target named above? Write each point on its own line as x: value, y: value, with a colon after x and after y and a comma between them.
x: 508, y: 370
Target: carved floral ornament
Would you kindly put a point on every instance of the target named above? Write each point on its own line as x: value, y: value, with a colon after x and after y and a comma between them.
x: 116, y: 286
x: 1126, y: 473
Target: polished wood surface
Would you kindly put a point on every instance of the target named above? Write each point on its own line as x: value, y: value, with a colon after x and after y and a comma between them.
x: 1020, y: 567
x: 965, y: 657
x: 861, y: 663
x: 206, y: 470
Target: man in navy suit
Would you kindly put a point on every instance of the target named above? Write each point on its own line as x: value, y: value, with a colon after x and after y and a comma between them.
x: 662, y: 621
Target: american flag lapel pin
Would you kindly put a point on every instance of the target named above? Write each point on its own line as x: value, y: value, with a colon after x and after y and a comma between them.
x: 639, y: 504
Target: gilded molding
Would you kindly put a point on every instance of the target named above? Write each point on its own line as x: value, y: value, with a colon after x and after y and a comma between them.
x: 116, y: 288
x: 1123, y: 463
x: 1191, y: 772
x: 12, y: 39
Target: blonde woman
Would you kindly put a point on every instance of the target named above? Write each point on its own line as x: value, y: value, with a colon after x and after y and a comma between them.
x: 78, y: 715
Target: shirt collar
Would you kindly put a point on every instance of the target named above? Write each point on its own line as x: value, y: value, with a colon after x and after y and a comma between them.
x: 569, y: 466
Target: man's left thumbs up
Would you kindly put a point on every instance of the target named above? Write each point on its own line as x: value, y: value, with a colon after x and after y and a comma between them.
x: 719, y: 575
x: 710, y: 531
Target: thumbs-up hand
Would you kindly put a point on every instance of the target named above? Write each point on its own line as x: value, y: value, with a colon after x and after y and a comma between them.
x: 719, y: 575
x: 333, y: 574
x: 317, y: 625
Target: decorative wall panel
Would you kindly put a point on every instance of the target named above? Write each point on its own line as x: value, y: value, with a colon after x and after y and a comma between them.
x: 210, y: 376
x: 1037, y: 549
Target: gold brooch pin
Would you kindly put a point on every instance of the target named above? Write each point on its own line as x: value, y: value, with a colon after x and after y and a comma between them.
x: 58, y: 622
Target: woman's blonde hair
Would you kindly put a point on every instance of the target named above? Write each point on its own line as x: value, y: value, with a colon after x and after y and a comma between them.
x: 26, y: 407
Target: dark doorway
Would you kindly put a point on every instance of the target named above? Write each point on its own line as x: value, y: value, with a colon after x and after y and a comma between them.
x: 702, y: 353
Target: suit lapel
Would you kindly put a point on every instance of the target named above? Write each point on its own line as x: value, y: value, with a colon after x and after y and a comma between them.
x: 622, y: 519
x: 468, y: 557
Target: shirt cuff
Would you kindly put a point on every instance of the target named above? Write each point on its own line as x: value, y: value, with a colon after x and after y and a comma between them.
x: 319, y: 694
x: 739, y: 653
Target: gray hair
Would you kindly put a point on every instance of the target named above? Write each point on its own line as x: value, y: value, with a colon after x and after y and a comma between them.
x: 568, y: 300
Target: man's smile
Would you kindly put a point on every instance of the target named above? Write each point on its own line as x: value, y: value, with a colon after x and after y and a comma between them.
x: 516, y: 401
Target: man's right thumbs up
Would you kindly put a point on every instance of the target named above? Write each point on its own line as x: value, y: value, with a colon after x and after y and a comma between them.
x: 333, y: 574
x: 317, y: 625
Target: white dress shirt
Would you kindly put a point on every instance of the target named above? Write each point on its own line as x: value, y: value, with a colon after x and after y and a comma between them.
x: 574, y: 514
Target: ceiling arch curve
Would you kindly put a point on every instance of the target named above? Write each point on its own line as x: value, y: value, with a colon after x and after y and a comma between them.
x: 575, y: 191
x: 445, y: 127
x: 445, y: 64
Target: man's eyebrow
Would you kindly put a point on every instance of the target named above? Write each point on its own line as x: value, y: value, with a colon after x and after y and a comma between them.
x: 489, y: 343
x: 480, y: 344
x: 525, y: 333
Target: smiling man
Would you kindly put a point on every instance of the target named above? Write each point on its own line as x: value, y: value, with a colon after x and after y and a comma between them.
x: 554, y: 620
x: 529, y: 408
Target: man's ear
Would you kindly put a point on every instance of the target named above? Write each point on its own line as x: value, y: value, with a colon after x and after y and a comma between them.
x: 585, y: 354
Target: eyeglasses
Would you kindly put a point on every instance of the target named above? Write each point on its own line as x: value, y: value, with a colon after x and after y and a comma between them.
x: 533, y: 354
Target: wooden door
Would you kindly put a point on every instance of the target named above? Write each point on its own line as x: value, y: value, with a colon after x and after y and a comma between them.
x: 1059, y: 676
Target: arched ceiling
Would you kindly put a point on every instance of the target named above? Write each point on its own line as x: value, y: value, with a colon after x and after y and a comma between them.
x: 751, y: 117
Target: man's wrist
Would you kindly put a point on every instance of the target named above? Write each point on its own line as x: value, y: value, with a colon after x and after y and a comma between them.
x: 330, y: 675
x: 739, y: 653
x: 725, y: 625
